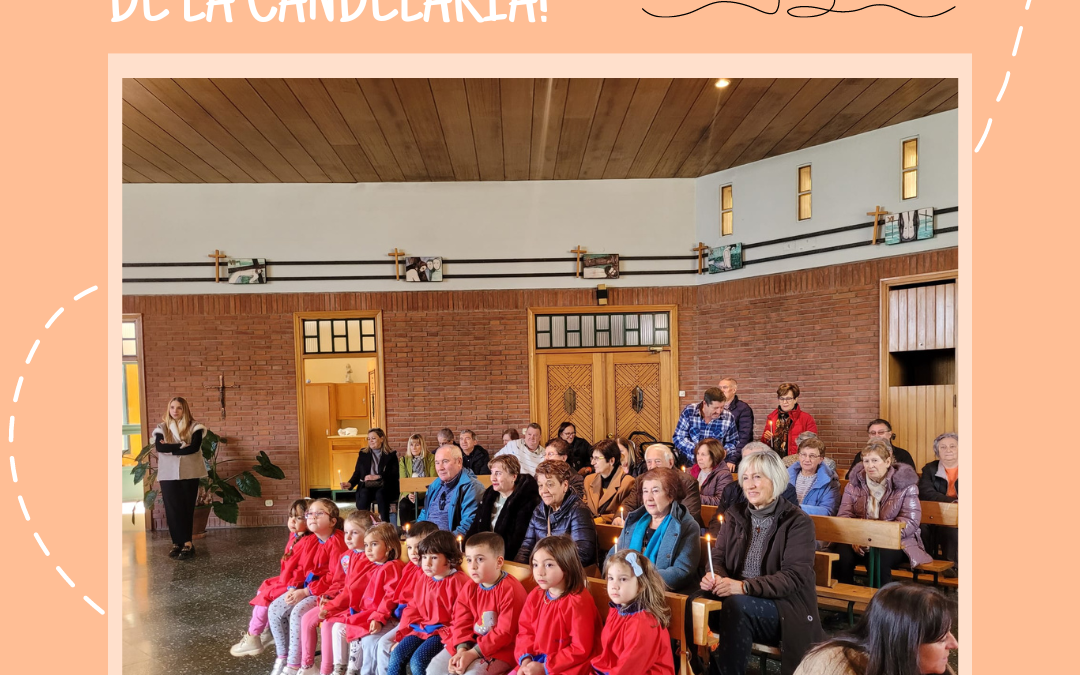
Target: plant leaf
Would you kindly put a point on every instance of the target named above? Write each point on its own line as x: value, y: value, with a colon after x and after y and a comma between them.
x: 229, y: 494
x: 148, y: 500
x: 227, y: 512
x: 138, y: 472
x: 249, y: 484
x: 151, y: 477
x: 268, y: 468
x: 144, y: 453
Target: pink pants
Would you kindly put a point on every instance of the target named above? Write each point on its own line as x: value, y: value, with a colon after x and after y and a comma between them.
x: 258, y: 620
x: 309, y: 635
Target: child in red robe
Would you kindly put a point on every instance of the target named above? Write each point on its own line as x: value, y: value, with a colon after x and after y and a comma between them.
x: 635, y: 640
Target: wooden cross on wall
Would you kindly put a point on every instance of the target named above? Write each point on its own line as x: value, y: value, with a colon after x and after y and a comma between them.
x: 221, y: 387
x: 394, y: 254
x: 217, y: 256
x: 876, y: 213
x: 578, y: 251
x: 700, y: 249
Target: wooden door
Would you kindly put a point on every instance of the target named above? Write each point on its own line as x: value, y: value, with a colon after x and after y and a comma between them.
x: 318, y: 423
x: 637, y: 398
x: 352, y: 401
x: 570, y: 388
x: 919, y: 414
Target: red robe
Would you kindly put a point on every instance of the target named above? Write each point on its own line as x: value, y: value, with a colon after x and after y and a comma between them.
x: 404, y: 591
x: 563, y: 633
x: 488, y: 617
x: 371, y: 601
x: 351, y: 571
x: 273, y: 587
x: 634, y: 644
x: 432, y: 604
x: 313, y: 570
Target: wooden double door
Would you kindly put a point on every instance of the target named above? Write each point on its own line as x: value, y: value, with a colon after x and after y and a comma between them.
x: 605, y: 393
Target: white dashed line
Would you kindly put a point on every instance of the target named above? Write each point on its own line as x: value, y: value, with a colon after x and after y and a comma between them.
x: 80, y: 296
x: 18, y: 388
x: 41, y: 544
x: 49, y: 323
x: 11, y: 430
x: 1016, y: 45
x: 93, y: 604
x: 14, y: 475
x: 22, y: 504
x: 66, y: 577
x: 32, y: 350
x: 989, y: 121
x: 1003, y: 85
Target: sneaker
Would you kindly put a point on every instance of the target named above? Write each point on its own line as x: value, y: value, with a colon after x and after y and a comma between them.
x: 267, y: 638
x: 174, y: 551
x: 339, y: 669
x: 310, y: 670
x: 279, y: 666
x: 289, y: 670
x: 186, y: 553
x: 249, y: 645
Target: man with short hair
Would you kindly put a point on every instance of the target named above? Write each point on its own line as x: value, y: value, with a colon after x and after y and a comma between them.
x: 707, y: 419
x: 453, y: 498
x: 476, y: 457
x: 559, y: 449
x: 881, y: 430
x: 527, y: 449
x: 660, y: 456
x: 445, y: 436
x: 744, y: 419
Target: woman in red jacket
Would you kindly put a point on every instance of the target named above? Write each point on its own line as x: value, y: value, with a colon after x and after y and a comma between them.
x: 784, y: 424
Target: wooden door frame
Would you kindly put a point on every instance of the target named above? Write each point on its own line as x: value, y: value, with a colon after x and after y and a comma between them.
x: 673, y: 345
x: 885, y: 286
x: 300, y: 357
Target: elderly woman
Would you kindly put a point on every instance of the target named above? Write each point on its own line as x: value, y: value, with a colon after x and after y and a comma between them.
x: 763, y: 571
x: 664, y: 530
x: 609, y: 488
x: 907, y: 628
x: 816, y: 486
x: 580, y: 448
x: 938, y: 484
x: 507, y: 506
x: 881, y: 489
x: 629, y: 459
x: 560, y: 512
x: 783, y: 425
x: 711, y: 471
x: 559, y: 449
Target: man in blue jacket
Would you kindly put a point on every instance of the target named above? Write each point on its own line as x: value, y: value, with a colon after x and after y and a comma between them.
x: 453, y: 498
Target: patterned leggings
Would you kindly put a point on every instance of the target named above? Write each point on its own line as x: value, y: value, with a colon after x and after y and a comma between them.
x: 363, y: 653
x: 286, y: 624
x: 414, y: 652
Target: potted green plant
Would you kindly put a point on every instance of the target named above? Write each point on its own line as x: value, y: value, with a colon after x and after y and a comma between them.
x: 221, y: 490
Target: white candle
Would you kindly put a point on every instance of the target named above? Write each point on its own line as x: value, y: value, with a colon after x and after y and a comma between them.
x: 616, y: 544
x: 708, y: 544
x: 461, y: 543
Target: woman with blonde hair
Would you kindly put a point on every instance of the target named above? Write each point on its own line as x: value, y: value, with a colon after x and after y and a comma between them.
x: 178, y: 441
x: 417, y: 462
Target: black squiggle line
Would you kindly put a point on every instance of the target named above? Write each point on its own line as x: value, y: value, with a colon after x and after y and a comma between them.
x: 821, y: 11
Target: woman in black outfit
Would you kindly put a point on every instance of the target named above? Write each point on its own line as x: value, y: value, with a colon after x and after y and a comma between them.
x: 178, y: 441
x: 376, y: 475
x: 580, y: 455
x: 507, y: 506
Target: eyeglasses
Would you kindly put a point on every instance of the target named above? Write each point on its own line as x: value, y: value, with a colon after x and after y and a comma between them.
x: 787, y: 399
x: 315, y: 514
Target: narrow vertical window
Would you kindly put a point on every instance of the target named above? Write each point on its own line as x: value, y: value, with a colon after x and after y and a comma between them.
x: 909, y: 167
x: 727, y: 215
x: 804, y: 192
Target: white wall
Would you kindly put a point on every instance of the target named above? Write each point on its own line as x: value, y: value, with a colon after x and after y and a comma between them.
x: 849, y: 178
x: 183, y: 223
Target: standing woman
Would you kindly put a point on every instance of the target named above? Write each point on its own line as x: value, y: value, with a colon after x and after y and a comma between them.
x: 417, y: 463
x: 783, y: 425
x: 375, y: 476
x: 178, y: 441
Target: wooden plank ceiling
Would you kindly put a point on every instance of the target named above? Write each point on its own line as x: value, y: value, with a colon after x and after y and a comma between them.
x: 383, y: 130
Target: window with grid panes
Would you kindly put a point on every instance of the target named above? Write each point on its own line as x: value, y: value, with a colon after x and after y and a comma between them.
x: 804, y: 192
x: 570, y: 331
x: 727, y: 211
x: 339, y: 336
x: 909, y: 168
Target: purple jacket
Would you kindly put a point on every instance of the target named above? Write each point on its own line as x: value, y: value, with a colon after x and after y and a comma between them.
x: 713, y: 488
x: 900, y: 504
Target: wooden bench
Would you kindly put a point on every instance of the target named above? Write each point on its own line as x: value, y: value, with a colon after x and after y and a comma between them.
x: 421, y: 484
x: 874, y: 534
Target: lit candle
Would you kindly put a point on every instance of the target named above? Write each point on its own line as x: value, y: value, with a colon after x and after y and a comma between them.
x: 461, y: 543
x: 406, y: 529
x: 684, y: 469
x: 616, y: 544
x: 708, y: 545
x: 339, y: 476
x: 620, y: 512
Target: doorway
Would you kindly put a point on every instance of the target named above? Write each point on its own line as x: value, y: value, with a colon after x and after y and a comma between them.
x: 134, y: 421
x: 339, y: 387
x: 918, y: 359
x: 608, y: 370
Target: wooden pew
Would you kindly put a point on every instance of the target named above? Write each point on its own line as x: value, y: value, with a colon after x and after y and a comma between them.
x: 875, y: 534
x: 421, y: 484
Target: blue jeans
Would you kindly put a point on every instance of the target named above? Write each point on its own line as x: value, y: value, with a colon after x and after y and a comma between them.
x: 414, y: 652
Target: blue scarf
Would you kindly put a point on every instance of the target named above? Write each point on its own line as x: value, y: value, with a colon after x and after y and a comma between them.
x: 638, y: 537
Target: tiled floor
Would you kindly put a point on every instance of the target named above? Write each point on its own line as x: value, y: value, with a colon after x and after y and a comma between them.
x: 181, y: 617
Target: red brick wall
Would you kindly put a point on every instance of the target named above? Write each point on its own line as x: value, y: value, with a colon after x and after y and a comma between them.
x: 459, y: 358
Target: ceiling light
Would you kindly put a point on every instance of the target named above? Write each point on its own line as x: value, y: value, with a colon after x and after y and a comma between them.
x: 722, y: 82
